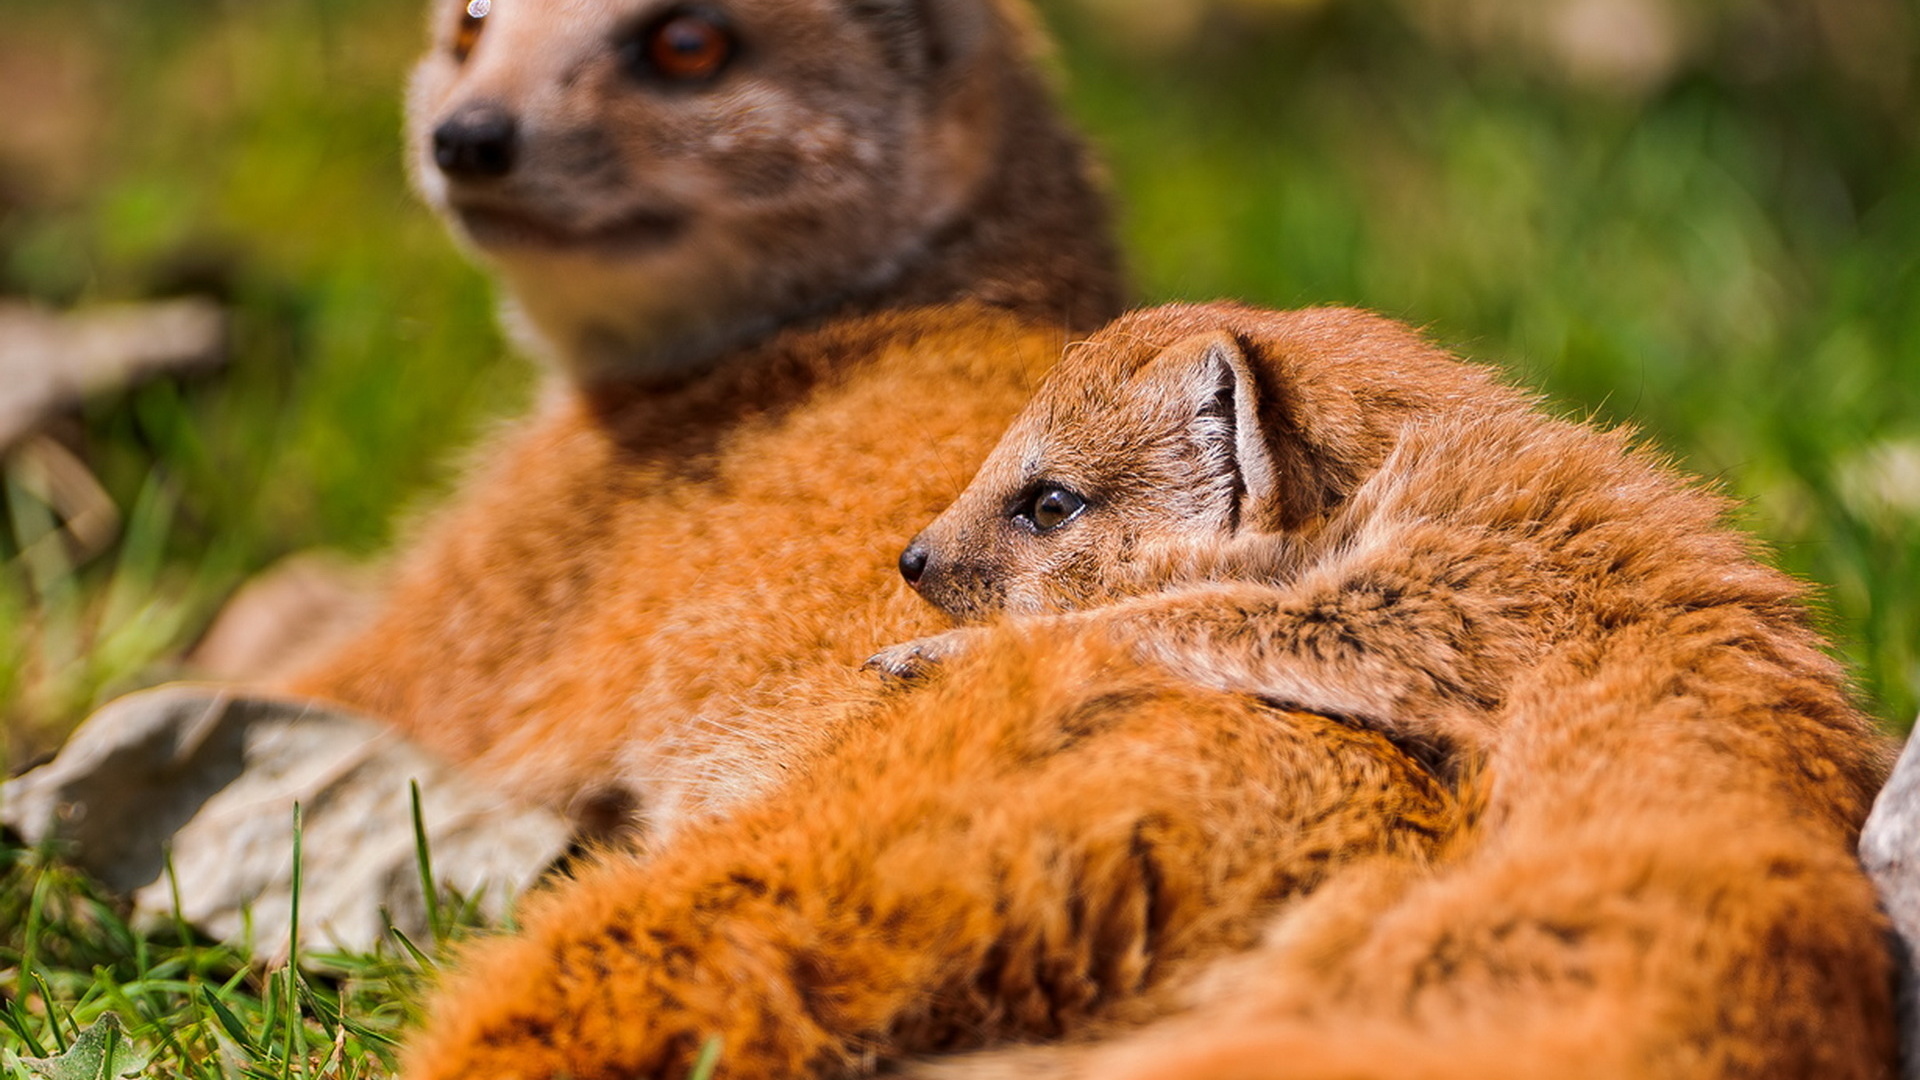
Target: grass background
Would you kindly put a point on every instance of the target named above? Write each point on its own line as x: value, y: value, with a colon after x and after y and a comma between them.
x: 1727, y: 255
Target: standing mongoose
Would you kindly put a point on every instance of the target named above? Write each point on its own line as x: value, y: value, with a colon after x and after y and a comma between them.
x: 798, y: 261
x: 1068, y: 842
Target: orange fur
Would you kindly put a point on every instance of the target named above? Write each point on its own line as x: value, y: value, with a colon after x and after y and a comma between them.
x: 1662, y: 881
x: 1320, y: 508
x: 1654, y: 891
x: 1033, y: 850
x: 1654, y: 877
x: 867, y: 240
x: 643, y: 588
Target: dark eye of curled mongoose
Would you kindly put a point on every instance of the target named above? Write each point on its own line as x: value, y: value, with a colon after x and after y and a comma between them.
x: 687, y: 46
x: 1053, y: 507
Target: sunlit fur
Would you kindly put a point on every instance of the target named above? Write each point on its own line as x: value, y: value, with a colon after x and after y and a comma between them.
x: 1661, y: 883
x: 639, y: 592
x: 850, y: 156
x: 888, y: 235
x: 1049, y: 845
x: 1087, y: 864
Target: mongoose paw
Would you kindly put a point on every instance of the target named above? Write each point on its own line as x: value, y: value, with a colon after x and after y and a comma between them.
x: 914, y: 660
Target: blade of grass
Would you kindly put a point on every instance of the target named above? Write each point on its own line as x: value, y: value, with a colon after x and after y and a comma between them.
x: 187, y: 942
x: 19, y: 1021
x: 36, y: 913
x: 294, y: 1026
x: 107, y: 1052
x: 709, y: 1060
x: 293, y: 918
x: 231, y: 1024
x: 424, y: 859
x: 328, y: 1015
x: 53, y: 1014
x: 369, y: 1035
x: 426, y: 963
x: 291, y: 1044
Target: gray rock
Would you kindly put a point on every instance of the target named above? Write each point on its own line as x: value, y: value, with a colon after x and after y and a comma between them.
x: 213, y: 773
x: 1890, y: 852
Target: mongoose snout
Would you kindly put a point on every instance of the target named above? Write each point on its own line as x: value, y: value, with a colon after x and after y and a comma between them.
x: 476, y: 143
x: 948, y: 580
x: 962, y: 571
x: 913, y: 562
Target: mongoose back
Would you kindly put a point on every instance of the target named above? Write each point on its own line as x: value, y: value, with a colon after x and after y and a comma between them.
x: 799, y: 259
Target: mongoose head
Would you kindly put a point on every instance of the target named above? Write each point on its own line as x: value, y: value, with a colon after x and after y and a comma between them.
x: 659, y: 180
x: 1168, y: 436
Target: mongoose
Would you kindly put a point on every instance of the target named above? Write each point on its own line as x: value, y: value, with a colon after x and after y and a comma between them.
x: 800, y: 261
x: 1066, y: 842
x: 1042, y: 848
x: 1321, y: 509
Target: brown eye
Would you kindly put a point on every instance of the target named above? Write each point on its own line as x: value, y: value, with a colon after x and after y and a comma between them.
x: 467, y: 34
x: 687, y: 46
x: 1053, y: 507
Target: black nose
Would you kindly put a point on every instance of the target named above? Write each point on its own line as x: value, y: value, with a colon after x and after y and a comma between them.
x: 913, y: 563
x: 475, y: 143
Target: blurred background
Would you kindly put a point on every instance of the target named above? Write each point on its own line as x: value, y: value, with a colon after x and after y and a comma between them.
x: 1701, y: 217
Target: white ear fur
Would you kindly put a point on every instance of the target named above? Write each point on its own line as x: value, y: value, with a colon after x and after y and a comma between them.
x: 1195, y: 375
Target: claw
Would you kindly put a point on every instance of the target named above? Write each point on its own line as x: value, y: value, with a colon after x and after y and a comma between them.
x: 912, y: 661
x: 902, y: 663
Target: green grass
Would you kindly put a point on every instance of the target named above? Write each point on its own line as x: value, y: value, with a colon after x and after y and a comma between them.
x: 69, y: 959
x: 1731, y: 263
x: 73, y: 968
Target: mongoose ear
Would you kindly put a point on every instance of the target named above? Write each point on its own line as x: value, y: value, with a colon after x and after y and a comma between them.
x: 1208, y: 380
x: 955, y: 30
x: 930, y: 37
